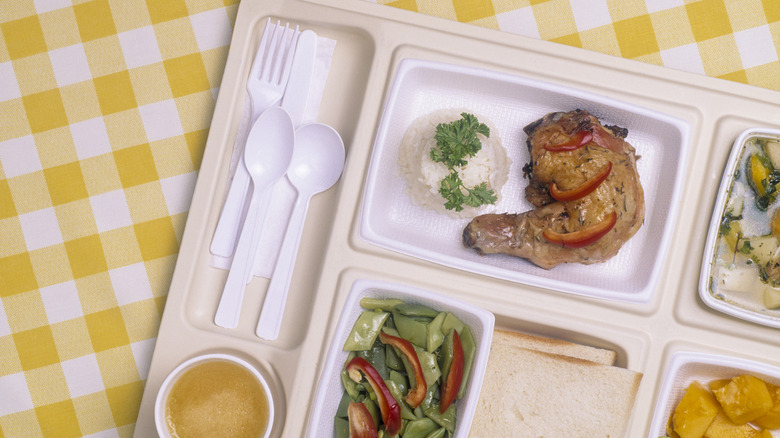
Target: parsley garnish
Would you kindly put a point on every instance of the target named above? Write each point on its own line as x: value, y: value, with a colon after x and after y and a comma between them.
x: 725, y: 223
x: 455, y: 142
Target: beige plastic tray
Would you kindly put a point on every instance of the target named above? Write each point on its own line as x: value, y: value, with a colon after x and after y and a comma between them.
x: 371, y: 41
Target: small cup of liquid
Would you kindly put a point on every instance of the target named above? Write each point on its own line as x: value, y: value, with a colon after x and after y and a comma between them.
x: 214, y: 395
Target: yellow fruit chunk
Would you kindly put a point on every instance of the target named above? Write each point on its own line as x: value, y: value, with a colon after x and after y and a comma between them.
x: 718, y: 383
x: 744, y: 399
x: 722, y: 427
x: 771, y: 420
x: 758, y: 173
x: 764, y: 434
x: 695, y: 412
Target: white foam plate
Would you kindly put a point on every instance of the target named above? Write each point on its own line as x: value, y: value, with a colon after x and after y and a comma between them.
x: 686, y: 367
x: 390, y: 220
x: 735, y: 304
x: 330, y: 388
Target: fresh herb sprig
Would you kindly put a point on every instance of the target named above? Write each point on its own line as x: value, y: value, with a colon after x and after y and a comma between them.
x: 455, y: 142
x: 452, y: 189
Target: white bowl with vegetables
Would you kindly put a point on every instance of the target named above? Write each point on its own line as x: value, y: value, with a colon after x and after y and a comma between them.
x: 741, y: 268
x: 388, y: 335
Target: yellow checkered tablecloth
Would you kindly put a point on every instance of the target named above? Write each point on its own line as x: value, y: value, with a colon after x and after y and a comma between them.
x: 737, y: 40
x: 104, y: 110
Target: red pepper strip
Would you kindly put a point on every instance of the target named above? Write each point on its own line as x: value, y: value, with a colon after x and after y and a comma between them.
x: 583, y: 189
x: 451, y: 385
x: 416, y: 395
x: 391, y: 412
x: 576, y: 141
x: 584, y: 237
x: 361, y: 424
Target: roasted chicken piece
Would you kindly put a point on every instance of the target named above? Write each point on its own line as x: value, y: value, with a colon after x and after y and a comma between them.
x: 586, y: 190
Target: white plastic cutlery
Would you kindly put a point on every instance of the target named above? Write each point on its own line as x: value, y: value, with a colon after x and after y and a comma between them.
x: 267, y: 156
x: 297, y: 93
x: 316, y: 165
x: 295, y: 97
x: 265, y: 85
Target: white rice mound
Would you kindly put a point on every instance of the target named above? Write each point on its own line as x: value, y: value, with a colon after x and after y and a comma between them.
x: 424, y: 176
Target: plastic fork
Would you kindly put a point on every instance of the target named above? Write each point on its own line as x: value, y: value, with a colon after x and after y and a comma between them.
x: 270, y: 71
x: 265, y: 86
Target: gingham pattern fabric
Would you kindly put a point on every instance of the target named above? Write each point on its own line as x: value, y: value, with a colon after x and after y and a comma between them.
x: 737, y: 40
x: 104, y: 110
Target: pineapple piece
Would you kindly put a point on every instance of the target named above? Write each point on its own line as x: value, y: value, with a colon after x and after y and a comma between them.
x: 722, y: 427
x: 744, y: 399
x: 718, y: 383
x: 764, y: 434
x: 771, y: 420
x: 696, y: 410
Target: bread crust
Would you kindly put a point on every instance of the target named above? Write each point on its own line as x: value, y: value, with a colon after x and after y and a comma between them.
x: 558, y: 346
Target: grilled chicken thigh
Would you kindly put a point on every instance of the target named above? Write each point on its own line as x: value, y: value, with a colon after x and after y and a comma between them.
x: 586, y: 190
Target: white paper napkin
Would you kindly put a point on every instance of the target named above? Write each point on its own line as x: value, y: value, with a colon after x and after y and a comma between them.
x: 283, y: 193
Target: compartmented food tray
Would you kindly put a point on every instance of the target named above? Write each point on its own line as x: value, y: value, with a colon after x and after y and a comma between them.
x: 646, y: 316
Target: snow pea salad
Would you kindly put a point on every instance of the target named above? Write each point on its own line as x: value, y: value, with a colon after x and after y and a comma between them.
x: 407, y: 366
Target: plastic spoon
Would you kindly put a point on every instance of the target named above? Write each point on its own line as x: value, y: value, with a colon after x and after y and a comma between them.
x: 316, y: 165
x: 269, y: 149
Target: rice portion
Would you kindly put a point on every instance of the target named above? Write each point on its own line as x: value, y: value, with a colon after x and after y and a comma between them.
x: 423, y: 176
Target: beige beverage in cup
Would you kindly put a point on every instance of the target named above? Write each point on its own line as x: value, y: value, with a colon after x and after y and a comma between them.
x: 217, y: 398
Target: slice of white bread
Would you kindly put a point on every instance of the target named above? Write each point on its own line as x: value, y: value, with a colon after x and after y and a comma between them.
x: 535, y: 394
x: 556, y: 346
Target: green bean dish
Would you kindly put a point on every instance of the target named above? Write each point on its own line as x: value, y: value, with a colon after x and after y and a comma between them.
x: 407, y: 366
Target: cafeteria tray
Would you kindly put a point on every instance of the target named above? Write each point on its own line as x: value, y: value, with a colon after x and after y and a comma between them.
x: 372, y: 41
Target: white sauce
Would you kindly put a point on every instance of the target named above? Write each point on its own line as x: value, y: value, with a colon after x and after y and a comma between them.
x: 735, y: 277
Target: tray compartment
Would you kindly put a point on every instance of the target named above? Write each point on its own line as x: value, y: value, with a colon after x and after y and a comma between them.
x: 684, y: 367
x: 330, y: 388
x: 749, y: 307
x: 392, y: 221
x: 718, y: 139
x: 344, y: 92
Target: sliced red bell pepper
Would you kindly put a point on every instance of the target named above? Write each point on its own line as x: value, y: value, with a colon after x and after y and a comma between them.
x: 583, y: 189
x: 391, y: 412
x: 578, y: 140
x: 361, y: 424
x: 451, y: 384
x: 584, y: 237
x: 416, y: 395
